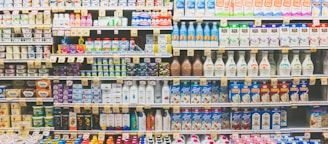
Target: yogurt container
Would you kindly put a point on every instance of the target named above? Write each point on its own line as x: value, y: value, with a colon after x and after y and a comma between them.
x: 37, y: 111
x: 48, y: 110
x: 37, y: 121
x: 48, y: 121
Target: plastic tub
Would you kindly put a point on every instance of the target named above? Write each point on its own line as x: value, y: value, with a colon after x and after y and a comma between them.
x: 37, y: 111
x: 48, y: 121
x: 48, y: 110
x: 37, y: 121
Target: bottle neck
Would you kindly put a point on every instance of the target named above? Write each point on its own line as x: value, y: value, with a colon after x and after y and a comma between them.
x: 253, y: 56
x: 285, y: 56
x: 230, y: 56
x: 296, y: 56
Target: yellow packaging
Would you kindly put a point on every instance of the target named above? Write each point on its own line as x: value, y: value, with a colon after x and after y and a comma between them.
x: 13, y: 93
x: 5, y: 118
x: 15, y: 111
x: 15, y: 106
x: 27, y: 119
x: 4, y: 124
x: 16, y: 118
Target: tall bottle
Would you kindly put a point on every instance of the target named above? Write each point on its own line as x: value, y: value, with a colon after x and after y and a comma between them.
x: 253, y: 67
x: 230, y: 65
x: 150, y: 93
x: 273, y: 65
x: 158, y: 120
x: 142, y: 121
x: 214, y: 35
x: 150, y: 121
x: 207, y: 35
x: 134, y: 121
x: 325, y: 63
x: 142, y: 92
x: 208, y: 67
x: 134, y: 93
x: 199, y: 34
x: 307, y: 65
x: 241, y: 64
x: 284, y: 66
x: 126, y: 93
x: 296, y: 66
x: 158, y: 92
x: 175, y: 34
x: 197, y: 67
x: 191, y: 35
x: 165, y: 93
x: 219, y: 66
x: 186, y: 67
x: 166, y: 120
x: 278, y: 62
x: 175, y: 67
x: 183, y: 34
x: 264, y: 66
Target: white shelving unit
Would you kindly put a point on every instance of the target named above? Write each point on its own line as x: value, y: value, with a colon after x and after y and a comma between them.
x: 88, y: 8
x: 141, y: 55
x: 238, y: 18
x: 255, y: 47
x: 25, y: 43
x: 2, y: 100
x: 115, y: 28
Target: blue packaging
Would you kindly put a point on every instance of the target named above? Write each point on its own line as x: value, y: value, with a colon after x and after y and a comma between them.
x: 174, y: 93
x: 275, y: 119
x: 236, y: 120
x: 223, y: 96
x: 245, y: 93
x: 216, y: 119
x: 176, y: 121
x: 265, y: 119
x: 195, y: 92
x: 196, y: 116
x: 225, y: 119
x: 186, y: 119
x: 206, y: 93
x: 303, y: 91
x: 207, y: 119
x: 255, y: 92
x: 234, y: 92
x: 215, y: 92
x: 256, y: 119
x: 293, y: 92
x: 185, y: 92
x: 246, y: 120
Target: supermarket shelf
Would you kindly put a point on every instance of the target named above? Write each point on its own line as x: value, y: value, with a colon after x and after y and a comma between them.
x: 317, y: 76
x: 26, y: 26
x: 234, y: 105
x: 115, y: 28
x: 255, y: 47
x: 21, y: 60
x: 2, y: 100
x: 248, y: 18
x: 88, y: 8
x: 141, y: 55
x: 224, y: 131
x: 31, y: 129
x: 25, y: 43
x: 25, y: 8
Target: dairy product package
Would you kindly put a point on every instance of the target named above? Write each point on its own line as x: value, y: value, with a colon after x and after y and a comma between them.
x: 264, y: 38
x: 222, y: 7
x: 284, y: 92
x: 274, y: 93
x: 265, y: 92
x: 304, y: 35
x: 206, y: 93
x: 303, y: 91
x: 267, y: 8
x: 316, y: 7
x: 283, y: 118
x: 286, y: 7
x: 179, y: 8
x: 324, y: 34
x: 296, y: 8
x: 245, y: 93
x: 256, y: 119
x: 255, y: 92
x: 236, y: 120
x: 186, y: 119
x: 277, y: 8
x: 248, y: 7
x: 306, y: 8
x: 234, y: 34
x: 224, y: 35
x: 265, y: 119
x: 200, y: 8
x: 195, y: 93
x: 244, y: 34
x: 314, y: 34
x: 284, y: 35
x: 246, y: 120
x: 190, y: 8
x: 185, y: 92
x: 176, y: 121
x: 196, y: 117
x: 225, y: 119
x: 207, y: 119
x: 294, y: 34
x: 210, y: 7
x: 216, y: 119
x: 224, y: 94
x: 315, y: 118
x: 324, y: 7
x: 275, y: 119
x: 234, y: 92
x: 274, y: 35
x: 174, y: 93
x: 258, y: 5
x: 215, y: 92
x: 254, y: 35
x: 238, y: 8
x: 293, y: 92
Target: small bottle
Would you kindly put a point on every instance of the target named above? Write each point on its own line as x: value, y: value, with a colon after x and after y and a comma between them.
x: 253, y: 67
x: 219, y: 66
x: 264, y: 66
x: 230, y: 65
x: 241, y: 64
x: 307, y: 65
x: 296, y: 66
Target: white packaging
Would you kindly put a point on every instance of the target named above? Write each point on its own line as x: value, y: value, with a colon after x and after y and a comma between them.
x: 126, y: 120
x: 234, y: 35
x: 264, y: 36
x: 254, y: 35
x: 324, y: 35
x: 111, y: 120
x: 244, y: 35
x: 284, y: 35
x: 190, y: 8
x: 200, y: 8
x: 304, y: 35
x: 294, y: 35
x: 274, y: 35
x: 314, y: 35
x: 224, y: 36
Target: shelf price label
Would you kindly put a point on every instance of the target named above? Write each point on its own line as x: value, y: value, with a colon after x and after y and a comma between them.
x: 102, y: 12
x: 176, y: 135
x: 107, y: 109
x: 214, y: 136
x: 119, y: 11
x: 134, y: 32
x: 77, y: 10
x: 125, y: 108
x: 176, y: 19
x: 48, y: 63
x: 166, y: 107
x: 53, y: 59
x: 248, y: 81
x: 176, y: 52
x: 2, y: 64
x: 37, y: 64
x: 147, y: 106
x: 136, y: 59
x: 56, y: 79
x: 90, y: 60
x: 22, y: 102
x: 199, y: 19
x: 224, y: 81
x: 190, y: 52
x: 258, y: 22
x: 119, y: 80
x: 147, y: 60
x: 39, y: 101
x: 101, y: 136
x: 176, y: 81
x: 176, y: 109
x: 203, y: 81
x: 30, y: 64
x: 96, y: 81
x: 80, y: 59
x: 307, y: 135
x: 274, y: 81
x: 95, y: 108
x: 69, y: 81
x: 85, y: 32
x: 73, y: 32
x: 254, y: 50
x: 139, y: 108
x: 156, y: 32
x: 87, y: 106
x: 207, y: 106
x: 223, y: 22
x: 25, y: 11
x: 312, y: 81
x: 116, y: 60
x: 71, y: 59
x: 61, y: 59
x: 207, y: 52
x: 324, y: 81
x: 313, y: 49
x: 77, y: 108
x: 221, y: 50
x: 285, y: 20
x: 296, y: 80
x: 284, y: 50
x: 84, y: 81
x: 17, y: 30
x: 84, y: 12
x: 316, y: 21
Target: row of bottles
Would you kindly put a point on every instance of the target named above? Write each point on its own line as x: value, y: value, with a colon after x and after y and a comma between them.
x: 267, y: 66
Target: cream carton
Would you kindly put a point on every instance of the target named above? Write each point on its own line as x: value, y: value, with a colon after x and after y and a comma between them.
x: 267, y: 8
x: 283, y: 118
x: 222, y: 7
x: 306, y: 8
x: 284, y: 35
x: 176, y: 121
x: 224, y: 35
x: 206, y: 93
x: 265, y: 119
x: 254, y: 35
x: 296, y: 8
x: 304, y: 35
x: 234, y: 93
x: 215, y: 92
x: 256, y: 119
x: 216, y: 119
x: 274, y: 35
x: 186, y: 119
x: 234, y: 34
x: 248, y: 7
x: 179, y: 8
x: 190, y: 8
x: 316, y: 7
x: 232, y: 8
x: 275, y: 119
x: 324, y: 7
x: 264, y: 38
x: 277, y: 8
x: 324, y: 35
x: 294, y: 35
x: 314, y: 35
x: 196, y: 119
x: 185, y: 92
x: 195, y: 92
x: 258, y: 5
x: 175, y: 94
x: 286, y: 7
x: 210, y: 7
x: 200, y: 8
x: 238, y: 7
x: 244, y: 34
x: 207, y: 119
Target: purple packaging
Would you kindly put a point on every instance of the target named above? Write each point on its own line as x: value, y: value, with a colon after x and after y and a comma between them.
x: 196, y: 116
x: 207, y: 119
x: 67, y: 91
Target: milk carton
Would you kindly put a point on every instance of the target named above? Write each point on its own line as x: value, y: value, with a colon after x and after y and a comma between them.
x: 324, y: 7
x: 224, y: 92
x: 275, y: 119
x: 232, y: 8
x: 294, y: 34
x: 195, y: 93
x: 190, y: 8
x: 234, y: 92
x: 200, y: 8
x: 303, y: 91
x: 264, y: 38
x: 315, y: 118
x: 258, y: 8
x: 304, y: 35
x: 196, y: 119
x: 283, y: 118
x: 174, y: 94
x: 236, y: 120
x: 256, y: 119
x: 306, y: 8
x: 186, y: 119
x: 234, y: 34
x: 210, y: 7
x: 216, y: 119
x: 296, y: 8
x: 176, y: 121
x: 246, y: 120
x: 274, y: 35
x: 324, y: 34
x: 265, y: 119
x: 245, y: 93
x: 179, y: 8
x: 239, y: 8
x: 207, y: 119
x: 286, y: 7
x: 277, y: 8
x: 185, y: 92
x: 284, y: 35
x: 314, y: 35
x: 225, y: 121
x: 293, y: 92
x: 255, y: 92
x: 248, y: 8
x: 244, y: 34
x: 206, y: 93
x: 267, y: 8
x: 215, y: 92
x: 222, y: 7
x: 316, y: 7
x: 254, y: 35
x: 224, y: 35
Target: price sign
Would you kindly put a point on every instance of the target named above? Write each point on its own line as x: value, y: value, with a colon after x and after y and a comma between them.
x: 116, y: 60
x: 102, y: 12
x: 48, y: 63
x: 30, y: 64
x: 17, y: 30
x: 61, y: 59
x: 69, y: 81
x: 80, y: 59
x: 134, y: 32
x: 166, y: 107
x: 158, y: 60
x: 284, y: 50
x: 207, y: 52
x: 214, y: 136
x: 39, y: 101
x: 147, y: 106
x: 223, y: 22
x: 312, y: 81
x: 95, y: 108
x: 176, y: 52
x: 313, y: 49
x: 224, y: 81
x: 176, y: 109
x: 84, y: 81
x: 77, y: 10
x: 37, y: 64
x: 190, y: 52
x: 274, y: 81
x: 119, y: 11
x: 90, y: 60
x: 176, y: 81
x: 139, y: 108
x: 147, y: 60
x: 203, y: 81
x: 221, y: 50
x: 85, y: 32
x: 156, y: 32
x: 71, y: 59
x: 22, y: 102
x: 199, y: 19
x: 286, y: 20
x: 254, y: 50
x: 125, y: 108
x: 248, y: 81
x: 258, y: 22
x: 53, y: 59
x: 2, y: 64
x: 136, y: 59
x: 77, y: 108
x: 101, y: 136
x: 96, y: 82
x: 176, y: 135
x: 84, y: 12
x: 56, y: 79
x: 116, y: 109
x: 296, y: 80
x: 324, y: 81
x: 119, y: 80
x: 207, y: 106
x: 316, y: 21
x: 107, y: 109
